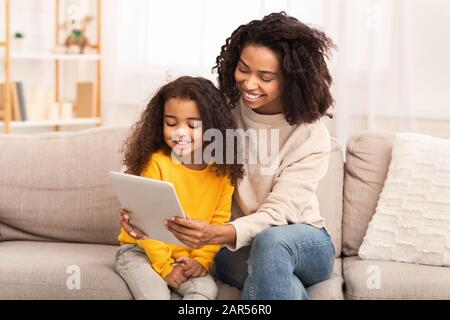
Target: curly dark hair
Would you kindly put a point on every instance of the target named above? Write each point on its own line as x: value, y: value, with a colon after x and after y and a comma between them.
x: 302, y: 50
x: 147, y: 137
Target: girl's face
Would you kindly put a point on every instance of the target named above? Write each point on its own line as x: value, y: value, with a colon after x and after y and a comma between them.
x: 259, y: 79
x: 182, y: 126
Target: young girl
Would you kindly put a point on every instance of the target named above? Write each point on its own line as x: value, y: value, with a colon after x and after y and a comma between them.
x: 165, y: 144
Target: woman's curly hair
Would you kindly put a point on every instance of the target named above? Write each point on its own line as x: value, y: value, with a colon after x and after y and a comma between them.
x: 302, y: 50
x: 147, y: 137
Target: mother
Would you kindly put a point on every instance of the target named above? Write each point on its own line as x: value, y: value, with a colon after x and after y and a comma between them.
x: 274, y: 74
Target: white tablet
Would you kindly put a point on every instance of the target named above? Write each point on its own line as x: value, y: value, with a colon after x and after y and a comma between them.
x: 149, y: 202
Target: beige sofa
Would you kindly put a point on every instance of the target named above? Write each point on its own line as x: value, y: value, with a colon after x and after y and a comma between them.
x: 59, y: 219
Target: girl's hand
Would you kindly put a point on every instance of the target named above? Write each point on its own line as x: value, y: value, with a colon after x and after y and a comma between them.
x: 192, y: 232
x: 176, y: 277
x: 125, y: 223
x: 191, y: 267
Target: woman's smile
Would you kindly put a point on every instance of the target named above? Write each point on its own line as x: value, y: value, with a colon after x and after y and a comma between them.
x: 251, y: 97
x: 259, y: 79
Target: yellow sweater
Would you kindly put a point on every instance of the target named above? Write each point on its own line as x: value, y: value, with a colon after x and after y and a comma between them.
x: 203, y: 195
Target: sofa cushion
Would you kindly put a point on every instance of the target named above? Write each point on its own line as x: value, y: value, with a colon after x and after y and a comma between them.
x: 412, y: 218
x: 55, y: 186
x: 329, y: 194
x: 42, y: 270
x: 373, y: 279
x: 46, y: 270
x: 367, y: 162
x: 330, y: 289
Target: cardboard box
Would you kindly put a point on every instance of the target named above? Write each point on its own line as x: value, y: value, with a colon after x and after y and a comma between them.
x: 15, y: 111
x: 86, y: 100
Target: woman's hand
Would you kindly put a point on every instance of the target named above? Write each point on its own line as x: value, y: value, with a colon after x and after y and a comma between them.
x: 196, y: 233
x: 176, y: 277
x: 192, y: 232
x: 125, y: 223
x: 191, y: 267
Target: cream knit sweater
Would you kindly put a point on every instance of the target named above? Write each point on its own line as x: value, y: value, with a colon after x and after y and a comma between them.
x: 287, y: 194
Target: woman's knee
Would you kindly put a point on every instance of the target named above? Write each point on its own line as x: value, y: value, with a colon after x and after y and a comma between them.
x: 231, y: 266
x: 269, y: 239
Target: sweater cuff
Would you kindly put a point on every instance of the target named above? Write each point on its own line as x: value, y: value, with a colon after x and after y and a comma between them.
x: 166, y: 270
x: 243, y: 236
x: 206, y: 263
x: 124, y: 237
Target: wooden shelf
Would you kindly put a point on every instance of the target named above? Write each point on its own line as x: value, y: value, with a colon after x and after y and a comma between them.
x: 6, y: 115
x: 54, y: 56
x: 49, y: 123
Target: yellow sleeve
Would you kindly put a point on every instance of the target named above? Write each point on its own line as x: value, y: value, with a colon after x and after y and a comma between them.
x: 159, y: 254
x: 222, y: 214
x: 124, y: 237
x: 205, y: 255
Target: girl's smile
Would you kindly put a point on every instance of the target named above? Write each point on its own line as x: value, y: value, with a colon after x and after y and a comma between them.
x: 182, y: 144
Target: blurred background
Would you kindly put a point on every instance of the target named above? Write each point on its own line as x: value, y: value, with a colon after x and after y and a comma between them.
x: 391, y: 70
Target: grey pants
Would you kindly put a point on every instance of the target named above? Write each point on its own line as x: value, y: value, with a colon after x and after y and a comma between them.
x: 133, y: 265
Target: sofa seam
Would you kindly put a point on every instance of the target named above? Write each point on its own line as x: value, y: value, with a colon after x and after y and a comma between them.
x: 59, y: 136
x: 396, y: 298
x: 345, y: 229
x: 347, y: 286
x: 53, y: 286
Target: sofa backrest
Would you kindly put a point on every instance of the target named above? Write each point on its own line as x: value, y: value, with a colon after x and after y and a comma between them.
x: 330, y: 192
x: 55, y: 186
x: 367, y: 162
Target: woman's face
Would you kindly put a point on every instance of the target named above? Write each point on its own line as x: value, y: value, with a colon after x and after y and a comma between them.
x: 259, y: 79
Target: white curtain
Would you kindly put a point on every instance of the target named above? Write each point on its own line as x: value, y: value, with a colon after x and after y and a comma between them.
x: 391, y: 71
x: 147, y: 43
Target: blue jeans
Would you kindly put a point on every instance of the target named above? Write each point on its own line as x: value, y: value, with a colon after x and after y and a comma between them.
x: 280, y: 263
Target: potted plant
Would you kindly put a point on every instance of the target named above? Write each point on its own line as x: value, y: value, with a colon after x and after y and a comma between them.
x: 17, y: 44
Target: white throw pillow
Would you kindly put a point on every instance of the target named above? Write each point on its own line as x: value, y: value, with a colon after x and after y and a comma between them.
x: 412, y: 219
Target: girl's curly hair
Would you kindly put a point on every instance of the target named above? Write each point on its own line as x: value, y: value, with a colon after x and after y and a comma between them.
x: 147, y: 137
x: 302, y: 50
